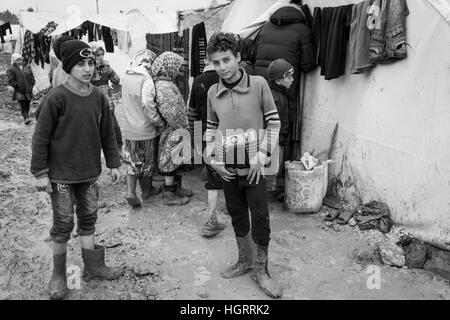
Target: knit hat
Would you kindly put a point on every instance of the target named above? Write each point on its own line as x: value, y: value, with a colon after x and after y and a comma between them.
x: 278, y: 68
x: 57, y: 45
x: 15, y: 56
x: 73, y: 51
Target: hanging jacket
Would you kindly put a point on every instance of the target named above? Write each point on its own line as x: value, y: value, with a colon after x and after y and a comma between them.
x: 287, y: 36
x: 22, y: 80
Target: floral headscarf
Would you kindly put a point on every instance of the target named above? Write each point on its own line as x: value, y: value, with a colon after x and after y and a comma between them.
x: 142, y: 62
x: 167, y: 65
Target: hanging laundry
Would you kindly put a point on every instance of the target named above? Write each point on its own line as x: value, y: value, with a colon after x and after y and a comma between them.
x: 388, y: 41
x: 97, y: 32
x: 316, y: 32
x: 198, y: 51
x: 123, y: 40
x: 49, y: 28
x: 28, y: 51
x: 3, y: 28
x: 337, y: 38
x: 90, y: 30
x: 360, y: 35
x: 107, y: 38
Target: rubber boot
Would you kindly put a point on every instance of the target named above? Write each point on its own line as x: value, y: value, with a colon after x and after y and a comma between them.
x: 58, y: 283
x: 182, y: 192
x: 147, y: 188
x: 261, y: 274
x: 245, y: 260
x: 171, y: 198
x: 94, y: 265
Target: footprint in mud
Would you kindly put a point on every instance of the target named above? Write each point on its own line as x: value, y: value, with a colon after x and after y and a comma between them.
x: 202, y: 276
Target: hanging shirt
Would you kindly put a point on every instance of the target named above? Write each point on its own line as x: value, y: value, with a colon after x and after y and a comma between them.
x: 360, y: 35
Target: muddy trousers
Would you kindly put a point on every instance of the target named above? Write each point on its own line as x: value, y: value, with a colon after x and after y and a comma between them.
x: 25, y: 108
x: 64, y: 197
x: 240, y: 195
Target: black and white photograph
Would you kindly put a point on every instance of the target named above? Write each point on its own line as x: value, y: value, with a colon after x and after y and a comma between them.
x: 225, y: 155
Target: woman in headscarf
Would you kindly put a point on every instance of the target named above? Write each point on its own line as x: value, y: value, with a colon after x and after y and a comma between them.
x: 141, y: 126
x: 22, y: 80
x: 172, y: 142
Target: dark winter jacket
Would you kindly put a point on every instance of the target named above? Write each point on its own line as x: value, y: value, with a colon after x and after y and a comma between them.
x: 281, y: 99
x: 22, y: 80
x: 287, y: 36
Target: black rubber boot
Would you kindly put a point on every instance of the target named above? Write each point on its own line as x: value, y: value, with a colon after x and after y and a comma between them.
x: 171, y: 198
x: 180, y: 190
x: 94, y: 265
x: 245, y: 260
x: 147, y: 188
x: 58, y: 283
x: 261, y: 274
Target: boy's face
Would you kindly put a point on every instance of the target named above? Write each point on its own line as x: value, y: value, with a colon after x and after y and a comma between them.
x: 83, y: 70
x: 287, y: 80
x: 226, y: 64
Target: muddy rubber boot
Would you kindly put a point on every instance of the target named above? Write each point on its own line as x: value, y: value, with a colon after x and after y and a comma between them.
x: 182, y: 192
x: 94, y: 265
x: 147, y: 188
x: 261, y: 274
x: 170, y: 196
x: 245, y: 260
x: 58, y: 283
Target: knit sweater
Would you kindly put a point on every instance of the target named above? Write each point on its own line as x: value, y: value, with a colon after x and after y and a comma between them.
x: 71, y: 131
x: 234, y: 113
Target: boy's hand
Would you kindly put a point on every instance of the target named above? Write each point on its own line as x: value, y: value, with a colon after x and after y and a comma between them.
x: 43, y: 184
x: 115, y: 175
x: 256, y: 167
x: 224, y: 173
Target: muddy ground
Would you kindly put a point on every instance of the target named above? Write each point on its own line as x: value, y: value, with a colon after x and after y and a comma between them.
x: 310, y: 258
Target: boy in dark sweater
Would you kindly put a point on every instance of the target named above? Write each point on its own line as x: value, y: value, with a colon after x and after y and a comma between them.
x: 280, y: 74
x: 241, y: 136
x: 75, y: 124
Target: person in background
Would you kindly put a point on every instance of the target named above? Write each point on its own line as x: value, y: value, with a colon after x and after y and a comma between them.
x: 22, y: 80
x: 103, y: 75
x: 171, y: 106
x: 281, y: 76
x: 246, y: 51
x: 75, y: 125
x: 142, y: 125
x: 197, y: 111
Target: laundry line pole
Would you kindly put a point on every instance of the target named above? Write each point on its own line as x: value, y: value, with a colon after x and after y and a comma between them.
x: 96, y: 1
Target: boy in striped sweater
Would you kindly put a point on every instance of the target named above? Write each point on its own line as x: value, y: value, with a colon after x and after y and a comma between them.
x: 242, y: 136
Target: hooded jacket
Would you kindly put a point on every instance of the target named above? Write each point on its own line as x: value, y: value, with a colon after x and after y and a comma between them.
x: 287, y: 36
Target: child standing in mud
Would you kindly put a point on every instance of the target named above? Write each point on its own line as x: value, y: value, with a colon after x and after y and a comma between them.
x: 238, y: 106
x: 75, y: 124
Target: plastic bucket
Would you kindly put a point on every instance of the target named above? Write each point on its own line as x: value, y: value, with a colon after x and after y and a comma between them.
x: 305, y: 190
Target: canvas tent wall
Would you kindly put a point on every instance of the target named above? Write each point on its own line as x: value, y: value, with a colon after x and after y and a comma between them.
x: 393, y: 140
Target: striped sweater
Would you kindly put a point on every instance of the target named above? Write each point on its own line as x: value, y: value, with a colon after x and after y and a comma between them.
x: 241, y: 121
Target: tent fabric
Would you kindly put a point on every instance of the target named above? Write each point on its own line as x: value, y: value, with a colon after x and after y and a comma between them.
x: 393, y: 137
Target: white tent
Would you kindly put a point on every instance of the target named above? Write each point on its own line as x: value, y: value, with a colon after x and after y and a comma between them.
x: 393, y: 140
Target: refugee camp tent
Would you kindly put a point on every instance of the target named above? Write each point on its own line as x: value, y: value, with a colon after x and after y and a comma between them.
x: 393, y: 139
